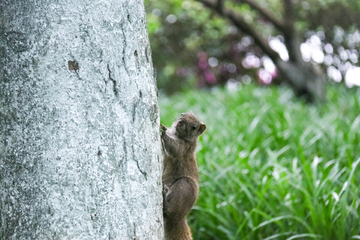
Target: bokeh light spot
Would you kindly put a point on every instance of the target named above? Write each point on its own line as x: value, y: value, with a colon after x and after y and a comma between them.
x: 171, y: 18
x: 352, y: 77
x: 213, y: 62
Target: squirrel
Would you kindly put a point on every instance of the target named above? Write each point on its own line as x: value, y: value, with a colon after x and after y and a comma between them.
x: 180, y: 177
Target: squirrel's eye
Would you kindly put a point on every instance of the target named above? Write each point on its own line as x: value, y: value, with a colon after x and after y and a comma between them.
x: 194, y: 127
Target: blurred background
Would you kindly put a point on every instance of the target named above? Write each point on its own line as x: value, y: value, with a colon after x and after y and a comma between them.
x: 277, y: 83
x: 194, y: 46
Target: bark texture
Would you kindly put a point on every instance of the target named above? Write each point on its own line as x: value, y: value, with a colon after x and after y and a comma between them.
x: 80, y: 147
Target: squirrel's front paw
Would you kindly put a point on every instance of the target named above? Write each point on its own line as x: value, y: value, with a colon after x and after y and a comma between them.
x: 163, y: 129
x: 165, y: 190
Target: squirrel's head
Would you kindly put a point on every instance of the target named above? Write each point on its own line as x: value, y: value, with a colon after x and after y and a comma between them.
x: 189, y: 127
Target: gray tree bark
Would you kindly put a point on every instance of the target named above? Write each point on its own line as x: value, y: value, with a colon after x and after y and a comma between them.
x: 79, y: 148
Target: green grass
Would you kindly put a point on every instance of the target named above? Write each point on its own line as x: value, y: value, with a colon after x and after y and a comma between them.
x: 272, y: 167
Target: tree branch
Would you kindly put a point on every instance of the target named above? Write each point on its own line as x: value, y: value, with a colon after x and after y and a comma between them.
x: 266, y: 14
x: 240, y: 23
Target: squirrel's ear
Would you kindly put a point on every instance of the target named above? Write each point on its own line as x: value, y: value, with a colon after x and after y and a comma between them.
x: 202, y: 128
x: 180, y: 123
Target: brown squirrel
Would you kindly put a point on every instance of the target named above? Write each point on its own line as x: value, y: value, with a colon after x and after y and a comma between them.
x: 180, y: 175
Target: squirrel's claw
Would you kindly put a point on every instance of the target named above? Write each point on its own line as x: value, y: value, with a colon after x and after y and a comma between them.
x: 163, y: 127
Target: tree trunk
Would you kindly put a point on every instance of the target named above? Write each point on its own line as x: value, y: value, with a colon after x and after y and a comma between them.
x: 79, y: 148
x: 303, y: 79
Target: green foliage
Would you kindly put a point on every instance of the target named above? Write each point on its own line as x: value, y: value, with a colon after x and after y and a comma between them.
x: 272, y: 167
